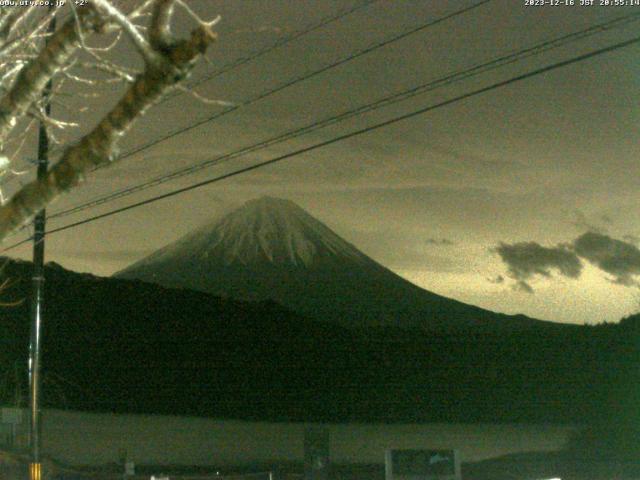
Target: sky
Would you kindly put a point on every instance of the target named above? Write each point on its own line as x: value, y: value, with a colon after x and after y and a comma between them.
x: 522, y: 199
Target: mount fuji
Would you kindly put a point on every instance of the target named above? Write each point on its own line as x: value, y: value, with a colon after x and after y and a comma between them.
x: 271, y: 249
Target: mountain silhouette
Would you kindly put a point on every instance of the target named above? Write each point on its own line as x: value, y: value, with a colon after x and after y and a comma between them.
x: 128, y: 346
x: 271, y: 249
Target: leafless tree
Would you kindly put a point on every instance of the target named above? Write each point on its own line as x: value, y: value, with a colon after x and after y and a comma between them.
x: 30, y: 57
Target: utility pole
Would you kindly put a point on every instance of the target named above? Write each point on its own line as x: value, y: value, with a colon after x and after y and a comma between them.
x: 35, y: 467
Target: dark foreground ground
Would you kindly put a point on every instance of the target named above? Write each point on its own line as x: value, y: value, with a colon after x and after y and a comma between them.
x: 528, y: 466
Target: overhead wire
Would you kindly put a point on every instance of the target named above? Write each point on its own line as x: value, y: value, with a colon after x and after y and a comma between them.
x: 306, y: 76
x: 289, y: 83
x: 388, y: 100
x: 281, y: 42
x: 368, y: 49
x: 394, y: 120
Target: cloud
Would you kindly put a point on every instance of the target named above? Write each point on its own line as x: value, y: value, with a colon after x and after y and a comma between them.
x: 439, y: 242
x: 616, y: 257
x: 525, y: 260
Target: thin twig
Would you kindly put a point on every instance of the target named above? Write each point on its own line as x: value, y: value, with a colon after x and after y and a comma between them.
x: 141, y: 43
x: 203, y: 99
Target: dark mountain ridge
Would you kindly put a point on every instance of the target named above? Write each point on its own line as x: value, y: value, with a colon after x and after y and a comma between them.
x: 128, y: 346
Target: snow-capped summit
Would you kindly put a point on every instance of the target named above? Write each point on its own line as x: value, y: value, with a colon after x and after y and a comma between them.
x: 264, y: 230
x: 272, y: 230
x: 271, y: 248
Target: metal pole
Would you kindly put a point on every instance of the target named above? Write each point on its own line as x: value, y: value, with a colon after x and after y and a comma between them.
x: 36, y: 317
x: 35, y: 468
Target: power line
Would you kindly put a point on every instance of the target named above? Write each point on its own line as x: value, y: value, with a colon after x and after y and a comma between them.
x: 289, y: 83
x: 348, y: 58
x: 277, y: 44
x: 303, y: 77
x: 355, y: 133
x: 281, y: 42
x: 401, y: 96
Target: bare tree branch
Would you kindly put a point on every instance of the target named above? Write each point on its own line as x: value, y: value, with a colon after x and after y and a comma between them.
x: 12, y: 20
x: 141, y: 10
x: 118, y: 72
x: 160, y: 30
x: 141, y: 43
x: 173, y: 60
x: 32, y: 79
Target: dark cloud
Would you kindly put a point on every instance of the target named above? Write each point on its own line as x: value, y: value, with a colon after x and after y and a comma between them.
x: 528, y: 259
x: 620, y: 259
x: 439, y: 241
